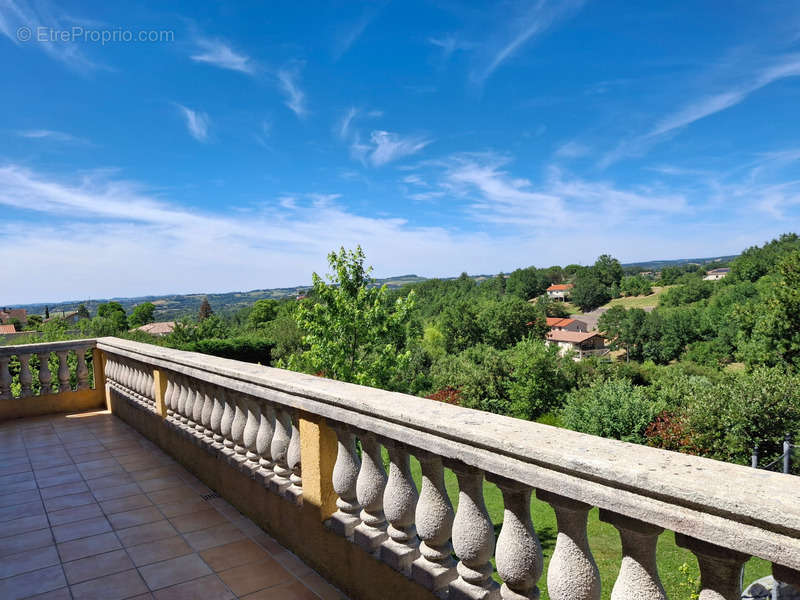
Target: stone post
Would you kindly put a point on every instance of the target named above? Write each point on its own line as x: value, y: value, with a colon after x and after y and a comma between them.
x: 345, y: 478
x: 370, y: 485
x: 638, y: 574
x: 318, y: 447
x: 5, y: 379
x: 45, y: 377
x: 399, y: 506
x: 25, y: 378
x: 435, y: 568
x: 572, y: 573
x: 279, y: 450
x: 293, y: 458
x: 720, y: 568
x: 161, y: 386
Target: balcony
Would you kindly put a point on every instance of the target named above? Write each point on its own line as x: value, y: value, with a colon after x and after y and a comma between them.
x: 292, y: 465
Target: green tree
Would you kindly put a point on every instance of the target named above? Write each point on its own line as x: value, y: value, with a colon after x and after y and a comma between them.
x: 205, y: 310
x: 46, y: 312
x: 352, y: 332
x: 539, y: 377
x: 526, y: 283
x: 262, y: 312
x: 115, y: 314
x: 503, y: 323
x: 589, y: 292
x: 459, y: 325
x: 35, y: 321
x: 142, y: 314
x: 608, y: 270
x: 83, y: 312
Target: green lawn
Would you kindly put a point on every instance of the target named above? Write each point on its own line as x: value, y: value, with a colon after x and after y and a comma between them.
x: 603, y: 539
x: 639, y: 301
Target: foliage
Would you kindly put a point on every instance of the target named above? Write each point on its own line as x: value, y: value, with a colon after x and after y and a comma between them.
x: 526, y: 283
x: 607, y: 270
x: 635, y: 286
x: 614, y: 409
x: 205, y: 310
x: 351, y: 331
x: 479, y: 374
x: 262, y: 312
x: 142, y: 314
x: 589, y: 291
x: 83, y: 312
x: 35, y: 321
x: 247, y: 349
x: 110, y: 319
x: 539, y: 377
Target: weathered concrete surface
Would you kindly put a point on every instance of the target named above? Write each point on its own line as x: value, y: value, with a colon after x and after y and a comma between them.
x: 60, y: 402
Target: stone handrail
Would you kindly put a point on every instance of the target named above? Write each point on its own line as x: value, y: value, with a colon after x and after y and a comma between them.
x: 254, y: 417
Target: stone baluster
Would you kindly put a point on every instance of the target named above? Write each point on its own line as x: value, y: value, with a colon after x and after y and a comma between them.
x: 295, y: 491
x: 237, y: 428
x: 720, y: 568
x: 180, y: 402
x: 205, y: 415
x: 266, y: 429
x: 399, y: 506
x: 226, y: 425
x: 435, y: 568
x: 188, y: 410
x: 45, y: 377
x: 216, y: 417
x: 151, y: 387
x: 83, y: 369
x: 370, y: 486
x: 169, y: 398
x: 345, y: 480
x: 572, y: 573
x: 473, y: 539
x: 638, y: 573
x: 253, y: 416
x: 136, y: 380
x: 63, y: 371
x: 279, y: 450
x: 518, y: 555
x: 197, y: 409
x: 5, y: 379
x: 25, y: 378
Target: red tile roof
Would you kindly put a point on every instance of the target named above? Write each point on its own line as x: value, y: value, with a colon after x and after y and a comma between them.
x: 560, y: 287
x: 573, y: 337
x: 559, y: 321
x: 7, y: 329
x: 160, y: 328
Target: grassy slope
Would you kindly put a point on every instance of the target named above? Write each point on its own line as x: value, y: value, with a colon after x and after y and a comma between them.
x: 603, y: 539
x: 639, y: 301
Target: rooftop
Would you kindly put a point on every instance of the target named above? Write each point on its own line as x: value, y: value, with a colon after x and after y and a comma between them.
x: 557, y: 287
x: 575, y: 337
x: 91, y: 509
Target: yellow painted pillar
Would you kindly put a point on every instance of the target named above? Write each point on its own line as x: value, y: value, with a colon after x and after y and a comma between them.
x: 318, y: 448
x: 100, y: 383
x: 160, y: 379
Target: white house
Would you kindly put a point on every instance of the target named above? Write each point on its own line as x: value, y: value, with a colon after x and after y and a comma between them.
x: 560, y: 291
x: 566, y: 324
x: 582, y: 342
x: 716, y: 274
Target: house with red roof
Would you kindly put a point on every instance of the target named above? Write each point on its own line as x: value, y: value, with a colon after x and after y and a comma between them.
x: 566, y: 324
x: 560, y: 291
x: 583, y: 343
x: 7, y: 314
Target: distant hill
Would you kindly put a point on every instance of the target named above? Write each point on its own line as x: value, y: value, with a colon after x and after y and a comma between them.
x: 175, y: 306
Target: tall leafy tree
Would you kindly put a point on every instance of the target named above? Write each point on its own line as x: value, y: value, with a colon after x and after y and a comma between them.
x: 608, y: 270
x: 589, y: 292
x: 83, y: 312
x: 205, y: 310
x: 526, y: 283
x: 142, y: 314
x: 352, y: 332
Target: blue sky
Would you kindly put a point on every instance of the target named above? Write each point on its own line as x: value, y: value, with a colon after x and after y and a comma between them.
x: 247, y: 141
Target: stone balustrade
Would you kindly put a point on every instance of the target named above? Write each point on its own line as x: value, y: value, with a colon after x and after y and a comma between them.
x: 47, y: 377
x: 305, y: 439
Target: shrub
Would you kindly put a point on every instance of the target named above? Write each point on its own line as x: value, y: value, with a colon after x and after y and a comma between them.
x: 247, y: 349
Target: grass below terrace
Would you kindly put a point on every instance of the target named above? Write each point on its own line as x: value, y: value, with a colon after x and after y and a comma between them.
x: 603, y: 540
x: 648, y: 301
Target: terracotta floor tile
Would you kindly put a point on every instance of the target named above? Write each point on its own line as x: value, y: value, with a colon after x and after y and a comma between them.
x: 109, y: 481
x: 131, y: 518
x: 197, y: 520
x: 35, y: 582
x: 160, y: 483
x: 59, y: 594
x: 173, y: 509
x: 207, y: 588
x: 213, y: 536
x: 18, y: 526
x: 252, y: 577
x: 29, y: 560
x: 125, y: 503
x: 142, y: 534
x: 97, y: 566
x: 64, y: 489
x: 25, y: 541
x: 20, y: 511
x: 81, y: 529
x: 321, y: 588
x: 19, y: 498
x: 291, y: 563
x: 96, y: 544
x: 120, y: 491
x: 233, y: 555
x: 52, y: 480
x: 68, y: 501
x: 151, y: 552
x: 155, y: 473
x: 79, y: 513
x: 111, y: 587
x: 176, y: 570
x: 289, y: 591
x: 176, y: 494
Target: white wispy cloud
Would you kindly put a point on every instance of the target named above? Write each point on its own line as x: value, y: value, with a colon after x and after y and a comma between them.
x: 343, y: 130
x: 295, y: 97
x: 348, y: 34
x: 572, y: 150
x: 51, y: 135
x: 196, y: 122
x: 705, y: 106
x: 219, y: 53
x: 517, y: 28
x: 450, y: 44
x: 388, y: 147
x: 16, y: 14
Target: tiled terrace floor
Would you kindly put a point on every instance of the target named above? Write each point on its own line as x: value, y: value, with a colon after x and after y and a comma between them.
x: 91, y: 509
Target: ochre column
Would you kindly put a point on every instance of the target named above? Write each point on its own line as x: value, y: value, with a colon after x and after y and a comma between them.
x: 318, y: 447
